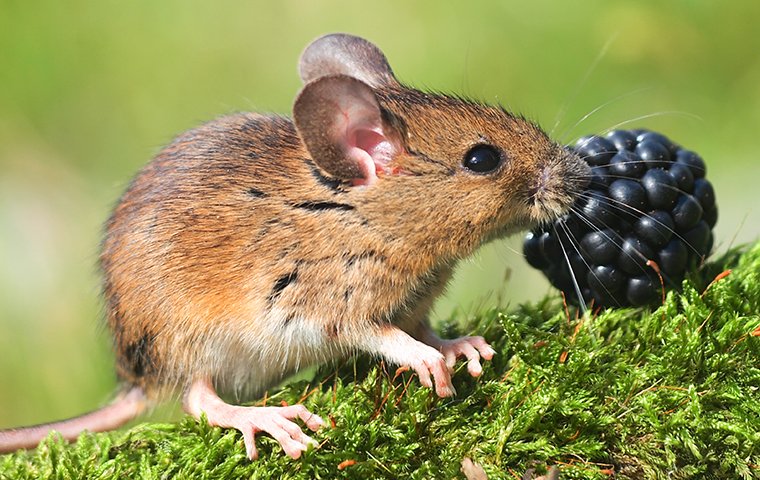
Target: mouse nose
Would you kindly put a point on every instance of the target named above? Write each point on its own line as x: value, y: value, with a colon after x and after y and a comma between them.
x: 537, y: 191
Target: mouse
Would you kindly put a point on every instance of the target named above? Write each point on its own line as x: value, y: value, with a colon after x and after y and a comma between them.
x: 256, y: 245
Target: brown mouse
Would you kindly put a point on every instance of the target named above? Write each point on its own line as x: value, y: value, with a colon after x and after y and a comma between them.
x: 256, y: 245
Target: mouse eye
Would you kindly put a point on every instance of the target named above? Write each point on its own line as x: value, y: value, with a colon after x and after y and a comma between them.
x: 482, y: 159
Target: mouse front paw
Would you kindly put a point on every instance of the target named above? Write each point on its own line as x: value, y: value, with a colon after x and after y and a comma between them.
x: 431, y: 363
x: 471, y: 348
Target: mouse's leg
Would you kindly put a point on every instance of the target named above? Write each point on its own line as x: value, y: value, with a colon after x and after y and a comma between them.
x: 276, y: 421
x: 399, y: 348
x: 472, y: 348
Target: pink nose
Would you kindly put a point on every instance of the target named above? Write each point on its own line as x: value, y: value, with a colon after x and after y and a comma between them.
x: 538, y: 189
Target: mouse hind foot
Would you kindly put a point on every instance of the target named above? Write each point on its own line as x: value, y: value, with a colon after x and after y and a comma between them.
x: 276, y: 421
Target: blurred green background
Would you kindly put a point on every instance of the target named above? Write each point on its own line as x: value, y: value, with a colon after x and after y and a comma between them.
x: 89, y: 91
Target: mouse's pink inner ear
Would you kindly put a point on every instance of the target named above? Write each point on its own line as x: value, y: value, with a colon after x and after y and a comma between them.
x: 339, y: 120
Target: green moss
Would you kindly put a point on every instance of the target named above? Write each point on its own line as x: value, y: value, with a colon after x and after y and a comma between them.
x: 668, y: 393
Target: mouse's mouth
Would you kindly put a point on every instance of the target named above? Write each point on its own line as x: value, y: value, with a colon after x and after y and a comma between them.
x: 542, y: 211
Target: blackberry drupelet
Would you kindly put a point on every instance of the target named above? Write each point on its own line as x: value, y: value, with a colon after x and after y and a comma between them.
x: 648, y: 209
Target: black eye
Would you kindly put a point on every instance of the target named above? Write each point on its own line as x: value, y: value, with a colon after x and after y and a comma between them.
x: 482, y: 159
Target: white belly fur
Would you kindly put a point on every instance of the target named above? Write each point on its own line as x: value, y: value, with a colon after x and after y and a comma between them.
x: 247, y: 362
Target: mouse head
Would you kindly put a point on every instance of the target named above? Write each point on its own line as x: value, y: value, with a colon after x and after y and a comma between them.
x: 425, y: 162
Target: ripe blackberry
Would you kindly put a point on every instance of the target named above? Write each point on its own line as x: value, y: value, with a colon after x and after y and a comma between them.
x: 648, y: 200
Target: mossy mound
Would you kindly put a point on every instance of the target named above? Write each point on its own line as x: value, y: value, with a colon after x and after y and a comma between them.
x: 669, y: 393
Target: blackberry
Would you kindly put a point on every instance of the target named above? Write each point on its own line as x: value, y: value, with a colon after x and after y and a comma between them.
x: 646, y: 215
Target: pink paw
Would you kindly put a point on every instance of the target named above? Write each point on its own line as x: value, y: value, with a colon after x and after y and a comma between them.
x: 277, y: 422
x: 430, y: 362
x: 472, y: 348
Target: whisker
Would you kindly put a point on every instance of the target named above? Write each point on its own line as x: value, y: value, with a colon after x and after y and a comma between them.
x: 576, y: 246
x: 653, y: 115
x: 604, y: 105
x: 512, y: 249
x: 578, y: 292
x: 623, y: 208
x: 617, y: 204
x: 611, y: 239
x: 563, y: 109
x: 584, y: 157
x: 664, y: 185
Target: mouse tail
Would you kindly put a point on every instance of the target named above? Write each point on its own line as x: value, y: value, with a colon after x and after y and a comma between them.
x: 129, y: 404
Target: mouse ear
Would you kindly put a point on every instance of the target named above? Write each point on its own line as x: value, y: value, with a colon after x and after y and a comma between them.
x: 340, y: 121
x: 343, y: 54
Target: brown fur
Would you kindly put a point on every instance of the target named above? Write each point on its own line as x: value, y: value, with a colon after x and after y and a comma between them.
x: 192, y: 255
x: 235, y: 256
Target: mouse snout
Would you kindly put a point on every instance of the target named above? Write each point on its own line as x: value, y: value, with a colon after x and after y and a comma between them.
x: 537, y: 191
x: 556, y: 186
